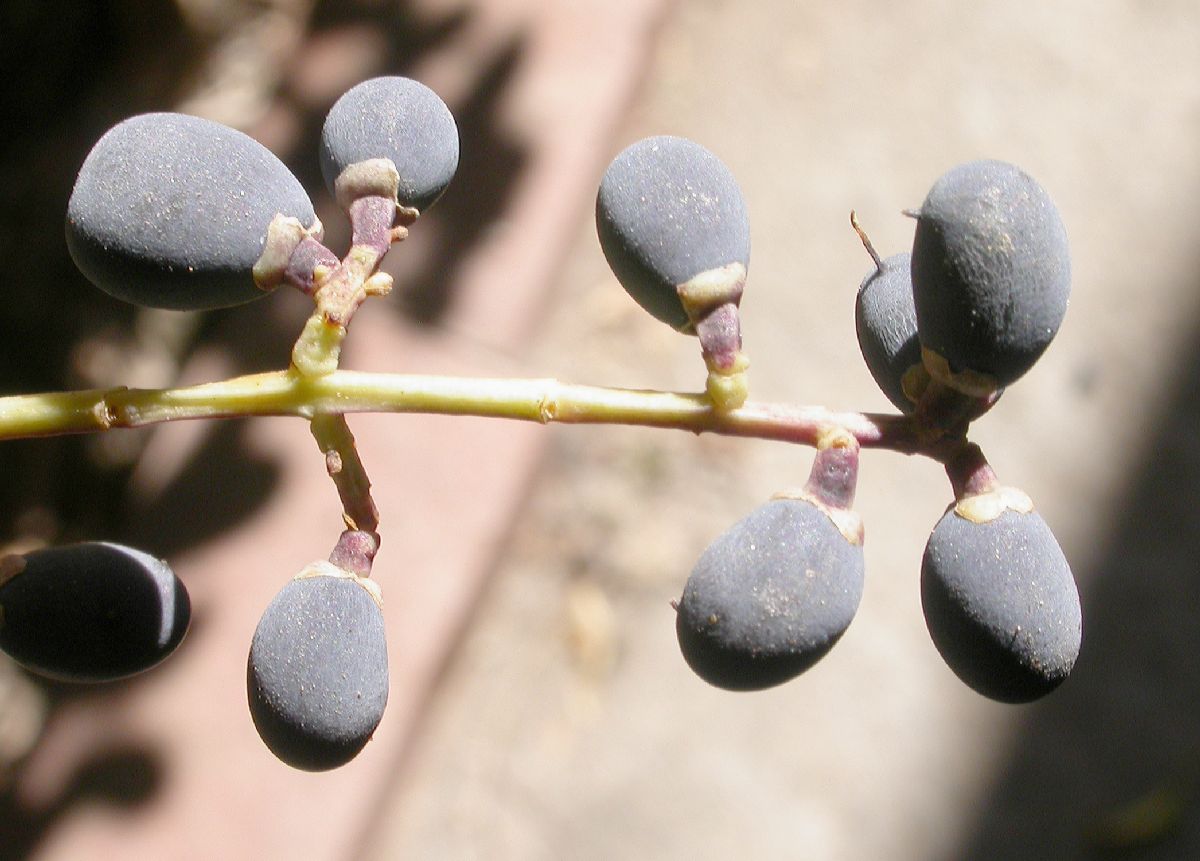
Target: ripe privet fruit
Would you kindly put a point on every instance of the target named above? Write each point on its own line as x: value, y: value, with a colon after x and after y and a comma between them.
x: 1001, y: 604
x: 317, y: 676
x: 667, y: 211
x: 990, y: 269
x: 172, y: 211
x: 90, y: 612
x: 886, y: 322
x: 397, y: 119
x: 769, y: 597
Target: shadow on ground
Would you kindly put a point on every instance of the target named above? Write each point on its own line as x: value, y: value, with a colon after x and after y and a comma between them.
x: 124, y: 778
x: 1108, y: 767
x: 109, y: 61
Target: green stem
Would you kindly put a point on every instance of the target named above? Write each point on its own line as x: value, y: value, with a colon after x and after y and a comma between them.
x: 287, y: 393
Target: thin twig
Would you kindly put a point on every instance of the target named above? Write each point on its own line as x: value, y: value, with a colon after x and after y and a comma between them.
x: 345, y: 467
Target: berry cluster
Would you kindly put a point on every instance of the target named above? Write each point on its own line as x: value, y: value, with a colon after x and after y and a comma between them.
x: 173, y: 211
x: 943, y: 330
x: 176, y: 212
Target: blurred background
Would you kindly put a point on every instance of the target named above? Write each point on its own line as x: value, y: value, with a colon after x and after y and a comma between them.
x: 539, y: 706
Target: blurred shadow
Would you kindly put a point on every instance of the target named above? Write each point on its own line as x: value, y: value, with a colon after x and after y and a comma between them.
x: 489, y: 167
x: 1108, y: 767
x: 409, y: 36
x: 57, y: 99
x: 123, y: 777
x: 72, y: 71
x: 222, y: 483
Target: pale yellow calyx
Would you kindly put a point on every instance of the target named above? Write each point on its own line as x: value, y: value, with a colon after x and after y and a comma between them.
x: 986, y: 507
x: 973, y: 383
x: 847, y: 522
x: 375, y: 177
x: 379, y: 284
x: 406, y: 215
x: 836, y: 437
x: 714, y: 287
x: 325, y: 568
x: 321, y: 274
x: 711, y: 289
x: 914, y: 382
x: 284, y: 233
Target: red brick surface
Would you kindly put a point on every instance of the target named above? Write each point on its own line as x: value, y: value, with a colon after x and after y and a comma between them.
x: 447, y: 489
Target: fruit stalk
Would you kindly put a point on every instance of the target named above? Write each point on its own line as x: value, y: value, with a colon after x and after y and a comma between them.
x: 345, y: 467
x: 970, y: 473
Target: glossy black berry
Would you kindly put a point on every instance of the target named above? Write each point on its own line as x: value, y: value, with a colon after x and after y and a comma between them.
x: 90, y: 612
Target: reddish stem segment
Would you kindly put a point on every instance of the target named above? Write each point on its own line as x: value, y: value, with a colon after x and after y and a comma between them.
x: 969, y: 472
x: 947, y: 411
x: 355, y: 551
x: 371, y: 220
x: 346, y: 469
x: 302, y: 265
x: 720, y: 334
x: 834, y: 475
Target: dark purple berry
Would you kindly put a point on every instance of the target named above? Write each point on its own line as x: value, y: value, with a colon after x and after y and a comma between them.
x: 317, y: 675
x: 172, y: 211
x: 991, y: 270
x: 886, y: 323
x: 667, y: 211
x: 1001, y: 604
x: 397, y: 119
x: 769, y: 597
